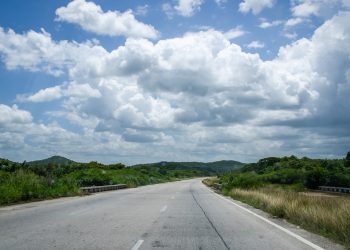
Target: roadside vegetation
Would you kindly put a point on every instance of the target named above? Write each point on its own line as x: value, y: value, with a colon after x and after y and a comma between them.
x: 58, y: 176
x: 211, y: 181
x: 287, y: 188
x: 326, y: 215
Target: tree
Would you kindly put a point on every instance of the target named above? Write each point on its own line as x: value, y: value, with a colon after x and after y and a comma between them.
x: 315, y: 178
x: 347, y: 160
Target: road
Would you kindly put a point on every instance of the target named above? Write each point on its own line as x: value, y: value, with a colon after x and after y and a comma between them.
x: 177, y: 215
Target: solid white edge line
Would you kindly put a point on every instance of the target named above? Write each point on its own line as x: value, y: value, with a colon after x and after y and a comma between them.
x: 305, y: 241
x: 137, y: 245
x: 163, y: 209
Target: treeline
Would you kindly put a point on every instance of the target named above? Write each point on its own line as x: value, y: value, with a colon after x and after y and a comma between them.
x: 295, y: 172
x: 40, y: 180
x: 210, y: 168
x: 54, y: 169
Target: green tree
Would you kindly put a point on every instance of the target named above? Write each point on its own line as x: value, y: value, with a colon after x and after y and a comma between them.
x: 315, y: 178
x: 347, y: 160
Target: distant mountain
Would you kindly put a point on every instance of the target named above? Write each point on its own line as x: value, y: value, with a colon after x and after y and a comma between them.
x: 215, y: 167
x: 211, y: 167
x: 55, y: 160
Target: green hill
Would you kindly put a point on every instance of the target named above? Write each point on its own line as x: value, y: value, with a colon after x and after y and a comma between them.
x: 209, y: 167
x: 55, y: 160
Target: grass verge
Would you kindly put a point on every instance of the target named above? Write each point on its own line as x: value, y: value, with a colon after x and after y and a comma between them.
x: 325, y: 215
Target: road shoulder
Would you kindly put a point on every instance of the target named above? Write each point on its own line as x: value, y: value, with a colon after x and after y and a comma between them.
x: 309, y: 236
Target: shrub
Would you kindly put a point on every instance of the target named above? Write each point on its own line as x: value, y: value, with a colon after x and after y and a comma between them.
x: 315, y: 178
x: 347, y: 160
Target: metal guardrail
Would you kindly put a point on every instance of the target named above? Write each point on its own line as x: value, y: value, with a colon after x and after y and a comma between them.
x: 335, y: 189
x: 94, y: 189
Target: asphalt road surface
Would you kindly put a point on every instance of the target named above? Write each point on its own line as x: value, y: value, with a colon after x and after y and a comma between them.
x: 178, y: 215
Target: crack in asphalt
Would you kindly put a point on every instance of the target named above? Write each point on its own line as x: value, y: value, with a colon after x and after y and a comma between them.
x: 210, y: 222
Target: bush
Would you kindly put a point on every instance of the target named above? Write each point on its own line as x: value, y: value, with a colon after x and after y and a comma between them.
x: 244, y: 180
x: 92, y: 177
x: 23, y: 186
x: 283, y: 176
x: 315, y: 178
x: 289, y: 171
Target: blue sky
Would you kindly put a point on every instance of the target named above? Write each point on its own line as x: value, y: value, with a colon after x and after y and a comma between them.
x: 144, y: 81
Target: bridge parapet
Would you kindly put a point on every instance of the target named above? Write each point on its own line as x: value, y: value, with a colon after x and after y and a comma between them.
x: 94, y: 189
x: 335, y: 189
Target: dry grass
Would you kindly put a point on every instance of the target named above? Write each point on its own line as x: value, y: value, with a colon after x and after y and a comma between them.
x: 327, y: 215
x: 210, y: 181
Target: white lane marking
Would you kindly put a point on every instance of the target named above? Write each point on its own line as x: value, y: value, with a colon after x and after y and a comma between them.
x: 163, y: 209
x: 172, y: 197
x: 305, y: 241
x: 137, y: 245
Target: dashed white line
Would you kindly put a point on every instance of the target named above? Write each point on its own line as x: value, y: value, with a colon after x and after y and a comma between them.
x: 163, y: 209
x: 137, y: 245
x: 305, y: 241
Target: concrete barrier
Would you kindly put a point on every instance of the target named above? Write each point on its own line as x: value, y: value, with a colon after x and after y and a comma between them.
x: 94, y: 189
x: 335, y: 189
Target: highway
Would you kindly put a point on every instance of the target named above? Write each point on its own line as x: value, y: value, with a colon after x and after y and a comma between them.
x: 177, y: 215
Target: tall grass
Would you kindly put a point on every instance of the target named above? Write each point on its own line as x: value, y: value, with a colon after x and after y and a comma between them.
x: 210, y: 181
x: 327, y: 215
x: 23, y: 186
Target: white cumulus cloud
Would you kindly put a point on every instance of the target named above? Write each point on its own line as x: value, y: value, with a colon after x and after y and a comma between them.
x: 255, y: 6
x: 256, y: 45
x: 36, y: 51
x: 265, y: 24
x: 293, y: 21
x: 188, y: 7
x: 235, y: 33
x: 45, y: 95
x: 91, y: 17
x: 80, y: 91
x: 12, y: 114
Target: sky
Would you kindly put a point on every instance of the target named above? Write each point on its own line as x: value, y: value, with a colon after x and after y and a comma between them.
x: 174, y: 80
